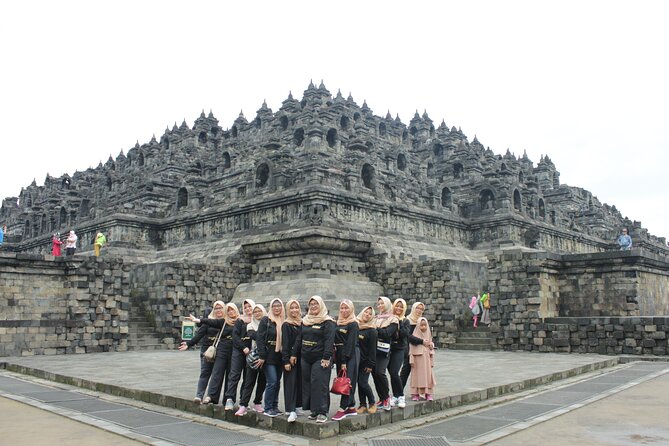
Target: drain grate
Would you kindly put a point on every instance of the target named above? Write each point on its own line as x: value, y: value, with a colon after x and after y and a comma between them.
x: 462, y: 428
x: 51, y: 396
x: 11, y: 385
x: 435, y: 441
x: 193, y: 434
x: 88, y: 406
x: 136, y: 418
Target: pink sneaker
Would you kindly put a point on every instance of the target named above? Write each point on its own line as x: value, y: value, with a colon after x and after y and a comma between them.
x: 415, y: 397
x: 258, y: 408
x: 340, y: 415
x: 241, y: 411
x: 428, y: 397
x: 351, y: 411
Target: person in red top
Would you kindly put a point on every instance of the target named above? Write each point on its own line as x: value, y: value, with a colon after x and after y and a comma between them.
x: 55, y: 244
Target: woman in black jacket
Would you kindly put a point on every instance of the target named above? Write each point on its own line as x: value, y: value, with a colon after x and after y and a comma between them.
x: 207, y: 334
x: 367, y: 337
x: 239, y: 352
x: 223, y: 351
x: 347, y: 355
x: 290, y: 357
x: 253, y: 372
x: 398, y: 350
x: 269, y: 350
x: 417, y: 310
x: 316, y: 342
x: 387, y: 326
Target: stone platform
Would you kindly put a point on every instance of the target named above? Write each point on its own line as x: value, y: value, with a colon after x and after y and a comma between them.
x: 168, y: 379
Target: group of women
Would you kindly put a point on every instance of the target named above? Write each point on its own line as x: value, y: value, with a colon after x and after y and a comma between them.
x: 262, y: 348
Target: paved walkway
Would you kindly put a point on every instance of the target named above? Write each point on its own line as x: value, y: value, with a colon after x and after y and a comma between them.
x: 481, y: 375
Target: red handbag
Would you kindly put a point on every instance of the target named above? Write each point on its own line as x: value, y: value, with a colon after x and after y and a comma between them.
x: 341, y: 384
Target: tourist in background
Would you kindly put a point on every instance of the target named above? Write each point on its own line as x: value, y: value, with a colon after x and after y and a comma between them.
x: 100, y: 241
x: 290, y: 357
x: 417, y: 310
x: 239, y: 352
x: 367, y: 337
x: 223, y: 359
x: 207, y: 334
x: 398, y: 350
x: 625, y: 241
x: 347, y: 355
x: 269, y: 350
x: 253, y: 371
x: 3, y: 231
x: 387, y: 326
x: 56, y: 243
x: 71, y: 243
x: 317, y: 343
x: 421, y: 357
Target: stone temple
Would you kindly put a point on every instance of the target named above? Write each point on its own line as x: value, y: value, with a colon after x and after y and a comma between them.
x: 325, y: 197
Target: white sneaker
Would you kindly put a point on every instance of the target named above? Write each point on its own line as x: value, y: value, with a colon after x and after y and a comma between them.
x: 292, y: 417
x: 393, y: 401
x: 401, y: 402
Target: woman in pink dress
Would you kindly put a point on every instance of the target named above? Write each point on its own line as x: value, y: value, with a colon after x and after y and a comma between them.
x: 421, y: 358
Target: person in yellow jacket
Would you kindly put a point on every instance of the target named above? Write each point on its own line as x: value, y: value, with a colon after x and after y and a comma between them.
x: 100, y: 241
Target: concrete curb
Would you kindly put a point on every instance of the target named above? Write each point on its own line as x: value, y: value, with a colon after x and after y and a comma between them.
x: 312, y: 429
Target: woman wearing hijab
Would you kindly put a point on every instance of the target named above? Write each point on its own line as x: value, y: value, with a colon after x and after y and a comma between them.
x: 417, y: 310
x: 269, y: 350
x: 252, y: 373
x: 207, y: 334
x: 347, y: 355
x: 387, y: 326
x: 290, y: 357
x: 55, y: 245
x: 223, y: 359
x: 239, y: 352
x: 398, y: 350
x: 421, y: 358
x: 367, y: 346
x: 316, y: 342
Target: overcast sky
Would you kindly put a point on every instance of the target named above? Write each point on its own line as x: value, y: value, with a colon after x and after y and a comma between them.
x: 586, y: 82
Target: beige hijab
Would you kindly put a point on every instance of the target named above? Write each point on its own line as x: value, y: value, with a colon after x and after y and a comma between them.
x: 387, y: 317
x: 253, y: 325
x: 413, y: 317
x: 404, y: 305
x: 372, y: 322
x: 230, y: 320
x: 421, y: 349
x: 289, y: 319
x: 212, y: 315
x: 319, y: 318
x: 278, y: 320
x: 247, y: 317
x: 350, y: 318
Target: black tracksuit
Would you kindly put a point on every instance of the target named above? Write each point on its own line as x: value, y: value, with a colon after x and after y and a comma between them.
x: 386, y: 335
x: 406, y: 367
x: 223, y: 358
x: 398, y: 350
x: 238, y: 364
x: 316, y: 343
x: 367, y: 347
x: 207, y: 335
x: 346, y: 352
x: 292, y: 380
x: 251, y: 375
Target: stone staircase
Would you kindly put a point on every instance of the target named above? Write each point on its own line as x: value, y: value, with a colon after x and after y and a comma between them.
x: 141, y: 334
x: 471, y: 338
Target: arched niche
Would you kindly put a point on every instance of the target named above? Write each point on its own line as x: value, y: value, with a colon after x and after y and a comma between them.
x: 368, y: 175
x: 401, y: 161
x: 182, y: 198
x: 517, y: 202
x: 486, y: 200
x: 262, y: 175
x: 446, y: 198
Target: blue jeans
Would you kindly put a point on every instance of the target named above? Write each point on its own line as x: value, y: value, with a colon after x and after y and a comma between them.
x: 273, y: 376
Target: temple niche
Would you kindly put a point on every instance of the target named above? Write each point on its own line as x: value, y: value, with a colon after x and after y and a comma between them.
x: 324, y: 162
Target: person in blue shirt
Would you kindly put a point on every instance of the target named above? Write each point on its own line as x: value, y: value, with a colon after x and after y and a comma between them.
x: 625, y: 241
